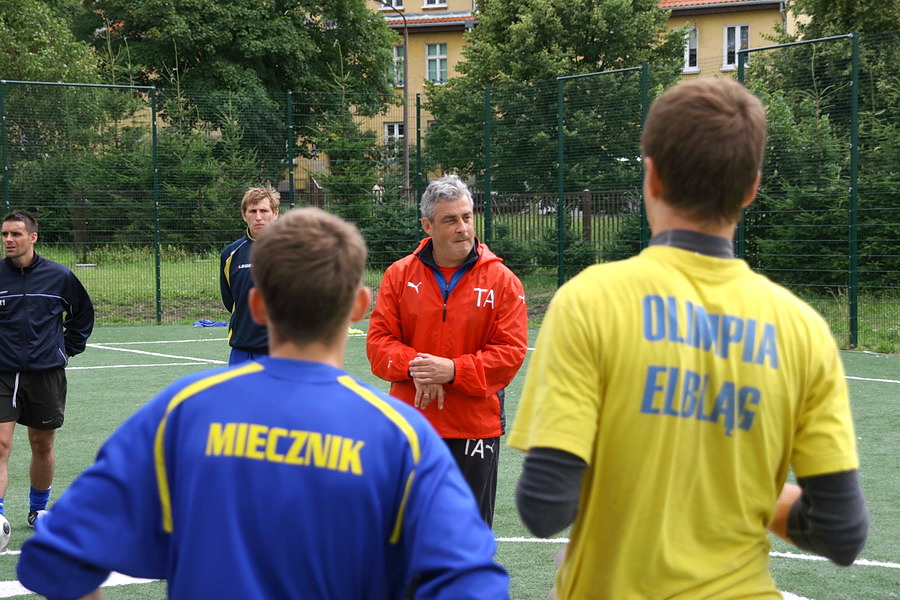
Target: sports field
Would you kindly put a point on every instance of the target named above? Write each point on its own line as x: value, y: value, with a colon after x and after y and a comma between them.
x: 124, y: 366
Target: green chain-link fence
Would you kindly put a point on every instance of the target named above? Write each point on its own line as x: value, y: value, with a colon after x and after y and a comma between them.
x: 138, y: 189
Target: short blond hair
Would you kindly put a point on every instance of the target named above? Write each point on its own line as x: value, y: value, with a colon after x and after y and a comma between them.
x: 257, y: 194
x: 308, y: 265
x: 706, y: 138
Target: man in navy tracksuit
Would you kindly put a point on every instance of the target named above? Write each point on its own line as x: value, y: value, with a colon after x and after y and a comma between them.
x: 46, y: 317
x: 248, y: 340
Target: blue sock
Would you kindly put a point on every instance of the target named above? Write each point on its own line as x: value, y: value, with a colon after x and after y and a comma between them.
x: 38, y: 498
x: 1, y: 506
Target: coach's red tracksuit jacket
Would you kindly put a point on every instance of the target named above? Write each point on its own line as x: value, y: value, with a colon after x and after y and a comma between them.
x: 483, y: 327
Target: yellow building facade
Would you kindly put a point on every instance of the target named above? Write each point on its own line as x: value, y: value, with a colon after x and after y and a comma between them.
x: 716, y: 29
x: 431, y: 39
x: 430, y: 45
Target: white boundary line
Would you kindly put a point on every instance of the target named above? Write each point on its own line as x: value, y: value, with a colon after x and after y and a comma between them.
x: 11, y: 589
x: 872, y: 379
x: 178, y: 364
x: 161, y: 342
x: 200, y: 360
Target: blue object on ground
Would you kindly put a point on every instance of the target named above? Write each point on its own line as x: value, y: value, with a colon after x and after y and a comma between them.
x: 208, y: 323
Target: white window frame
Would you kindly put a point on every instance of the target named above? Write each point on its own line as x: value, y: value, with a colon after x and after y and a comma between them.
x: 390, y: 4
x: 434, y: 3
x: 691, y: 35
x: 738, y: 30
x: 394, y: 133
x: 399, y: 59
x: 438, y: 60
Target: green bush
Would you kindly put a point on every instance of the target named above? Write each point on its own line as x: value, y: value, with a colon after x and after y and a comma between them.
x: 516, y: 254
x: 577, y: 254
x: 391, y: 233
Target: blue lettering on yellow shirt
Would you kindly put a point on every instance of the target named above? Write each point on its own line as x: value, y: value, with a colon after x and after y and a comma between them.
x: 677, y: 392
x: 684, y: 393
x: 684, y: 322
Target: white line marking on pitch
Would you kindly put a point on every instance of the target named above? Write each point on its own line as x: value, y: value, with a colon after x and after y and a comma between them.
x: 204, y: 360
x: 10, y: 589
x: 871, y: 379
x: 180, y: 364
x: 162, y: 342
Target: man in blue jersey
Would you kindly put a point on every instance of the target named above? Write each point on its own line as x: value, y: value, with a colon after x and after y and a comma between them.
x: 278, y: 478
x: 259, y: 209
x: 46, y: 317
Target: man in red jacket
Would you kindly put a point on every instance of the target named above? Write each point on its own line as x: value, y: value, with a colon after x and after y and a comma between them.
x: 449, y: 331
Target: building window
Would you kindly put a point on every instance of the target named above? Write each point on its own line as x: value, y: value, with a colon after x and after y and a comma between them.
x: 387, y: 4
x: 399, y: 58
x: 434, y: 3
x: 436, y: 62
x: 690, y: 51
x: 737, y: 37
x: 393, y: 133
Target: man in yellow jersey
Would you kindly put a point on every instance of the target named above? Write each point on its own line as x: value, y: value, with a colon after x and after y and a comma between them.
x: 670, y: 393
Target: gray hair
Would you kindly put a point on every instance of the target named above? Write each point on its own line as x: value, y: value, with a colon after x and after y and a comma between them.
x: 445, y: 189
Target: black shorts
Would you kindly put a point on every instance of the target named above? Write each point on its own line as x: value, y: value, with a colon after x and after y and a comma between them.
x: 34, y: 398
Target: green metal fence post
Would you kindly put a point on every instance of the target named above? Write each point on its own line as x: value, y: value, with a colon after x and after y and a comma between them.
x: 289, y: 146
x: 488, y: 208
x: 4, y: 147
x: 645, y: 108
x: 854, y: 192
x: 560, y: 186
x: 419, y: 186
x: 154, y: 159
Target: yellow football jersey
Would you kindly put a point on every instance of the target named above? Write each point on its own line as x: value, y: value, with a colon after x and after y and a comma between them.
x: 690, y: 385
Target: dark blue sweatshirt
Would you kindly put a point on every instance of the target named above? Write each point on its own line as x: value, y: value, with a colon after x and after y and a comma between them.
x: 235, y: 282
x: 46, y: 315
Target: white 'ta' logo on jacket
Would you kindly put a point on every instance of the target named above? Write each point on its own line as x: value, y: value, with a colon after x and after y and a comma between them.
x: 485, y: 297
x: 414, y: 286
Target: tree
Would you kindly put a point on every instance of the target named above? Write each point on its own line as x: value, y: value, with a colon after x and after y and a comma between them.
x: 519, y: 48
x: 815, y: 82
x: 249, y: 53
x: 37, y: 45
x: 537, y: 40
x: 247, y: 44
x: 823, y: 18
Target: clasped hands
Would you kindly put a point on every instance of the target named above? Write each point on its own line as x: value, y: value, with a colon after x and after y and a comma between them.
x: 429, y: 373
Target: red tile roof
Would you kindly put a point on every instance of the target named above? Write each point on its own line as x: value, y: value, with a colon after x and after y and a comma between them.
x: 424, y: 19
x: 668, y: 4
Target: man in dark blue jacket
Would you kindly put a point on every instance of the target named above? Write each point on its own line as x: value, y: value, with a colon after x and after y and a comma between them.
x: 248, y: 340
x: 46, y: 317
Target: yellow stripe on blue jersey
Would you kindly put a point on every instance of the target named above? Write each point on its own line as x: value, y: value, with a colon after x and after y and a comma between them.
x: 227, y: 269
x: 162, y: 479
x: 407, y: 429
